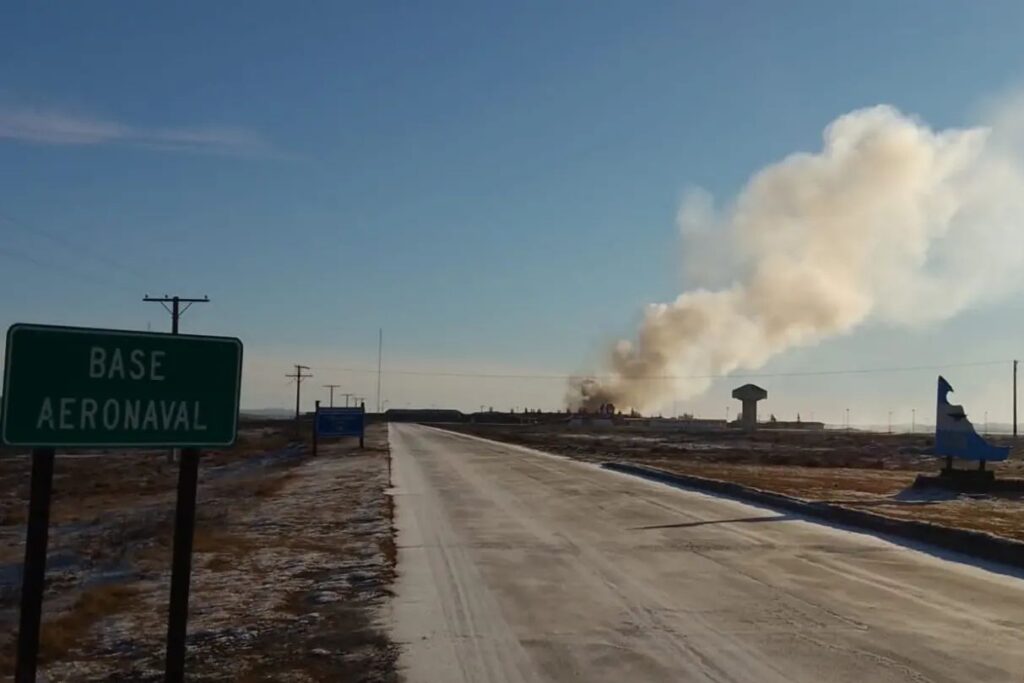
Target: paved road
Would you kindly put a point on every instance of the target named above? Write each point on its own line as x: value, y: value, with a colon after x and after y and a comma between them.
x: 519, y: 566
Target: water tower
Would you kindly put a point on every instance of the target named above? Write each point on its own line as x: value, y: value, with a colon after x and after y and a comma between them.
x: 749, y: 395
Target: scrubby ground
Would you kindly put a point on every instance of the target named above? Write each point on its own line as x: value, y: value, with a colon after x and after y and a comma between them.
x: 293, y: 558
x: 857, y: 469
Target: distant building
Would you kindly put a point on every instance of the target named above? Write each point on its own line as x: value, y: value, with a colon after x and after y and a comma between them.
x: 423, y: 415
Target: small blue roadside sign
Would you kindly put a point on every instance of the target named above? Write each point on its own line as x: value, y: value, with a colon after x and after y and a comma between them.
x: 340, y: 421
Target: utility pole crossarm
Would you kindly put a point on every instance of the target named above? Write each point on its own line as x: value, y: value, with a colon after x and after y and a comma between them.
x: 298, y: 376
x: 175, y: 309
x: 331, y: 388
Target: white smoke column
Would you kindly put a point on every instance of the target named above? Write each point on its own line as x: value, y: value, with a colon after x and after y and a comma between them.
x: 889, y: 221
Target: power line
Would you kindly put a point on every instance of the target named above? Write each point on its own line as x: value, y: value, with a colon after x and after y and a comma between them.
x: 63, y: 270
x: 738, y: 375
x: 76, y: 248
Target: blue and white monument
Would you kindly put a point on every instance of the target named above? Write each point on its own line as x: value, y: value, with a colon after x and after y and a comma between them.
x: 955, y: 436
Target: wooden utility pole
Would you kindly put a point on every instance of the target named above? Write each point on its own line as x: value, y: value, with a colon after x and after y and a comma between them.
x: 176, y: 312
x: 175, y: 308
x: 1014, y: 399
x: 331, y: 388
x: 298, y: 377
x: 316, y: 417
x: 184, y: 525
x: 380, y: 355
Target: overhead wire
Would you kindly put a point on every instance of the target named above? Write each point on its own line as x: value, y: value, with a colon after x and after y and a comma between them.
x: 78, y: 249
x: 87, y: 276
x: 62, y: 270
x: 737, y: 375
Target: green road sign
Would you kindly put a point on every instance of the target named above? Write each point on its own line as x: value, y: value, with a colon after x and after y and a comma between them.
x: 79, y: 387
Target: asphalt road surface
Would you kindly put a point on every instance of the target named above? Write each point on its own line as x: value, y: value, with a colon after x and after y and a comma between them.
x: 520, y: 566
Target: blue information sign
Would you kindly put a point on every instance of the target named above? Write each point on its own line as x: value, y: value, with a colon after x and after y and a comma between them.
x: 340, y: 421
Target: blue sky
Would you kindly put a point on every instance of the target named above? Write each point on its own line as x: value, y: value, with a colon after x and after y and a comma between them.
x: 494, y: 185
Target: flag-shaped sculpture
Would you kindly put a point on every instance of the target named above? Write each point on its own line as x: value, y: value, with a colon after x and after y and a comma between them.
x: 954, y: 434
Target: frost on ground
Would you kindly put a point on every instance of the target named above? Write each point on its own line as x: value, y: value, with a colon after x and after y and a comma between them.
x: 293, y: 558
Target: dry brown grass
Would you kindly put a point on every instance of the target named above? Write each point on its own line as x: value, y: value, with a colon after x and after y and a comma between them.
x: 13, y: 513
x: 1001, y: 517
x: 387, y: 545
x: 67, y: 631
x: 220, y: 563
x: 871, y: 490
x: 89, y: 487
x: 803, y: 482
x: 222, y: 548
x: 253, y: 439
x: 224, y: 543
x: 265, y: 487
x: 306, y: 545
x: 229, y: 546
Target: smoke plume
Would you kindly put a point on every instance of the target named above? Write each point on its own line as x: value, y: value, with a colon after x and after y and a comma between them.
x: 890, y: 221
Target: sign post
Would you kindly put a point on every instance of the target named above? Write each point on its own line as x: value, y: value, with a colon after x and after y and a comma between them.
x: 181, y: 564
x: 70, y: 387
x: 34, y: 570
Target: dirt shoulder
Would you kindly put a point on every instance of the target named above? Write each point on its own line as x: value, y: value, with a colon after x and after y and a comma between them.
x: 858, y: 470
x: 293, y: 559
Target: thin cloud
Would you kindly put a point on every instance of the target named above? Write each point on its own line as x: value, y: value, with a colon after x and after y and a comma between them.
x: 52, y: 127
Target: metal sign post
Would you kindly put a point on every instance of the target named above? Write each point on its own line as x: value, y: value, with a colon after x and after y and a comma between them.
x: 81, y: 387
x: 34, y: 570
x: 181, y: 565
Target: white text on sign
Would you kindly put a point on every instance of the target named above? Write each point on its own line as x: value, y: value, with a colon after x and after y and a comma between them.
x: 85, y: 413
x: 142, y: 365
